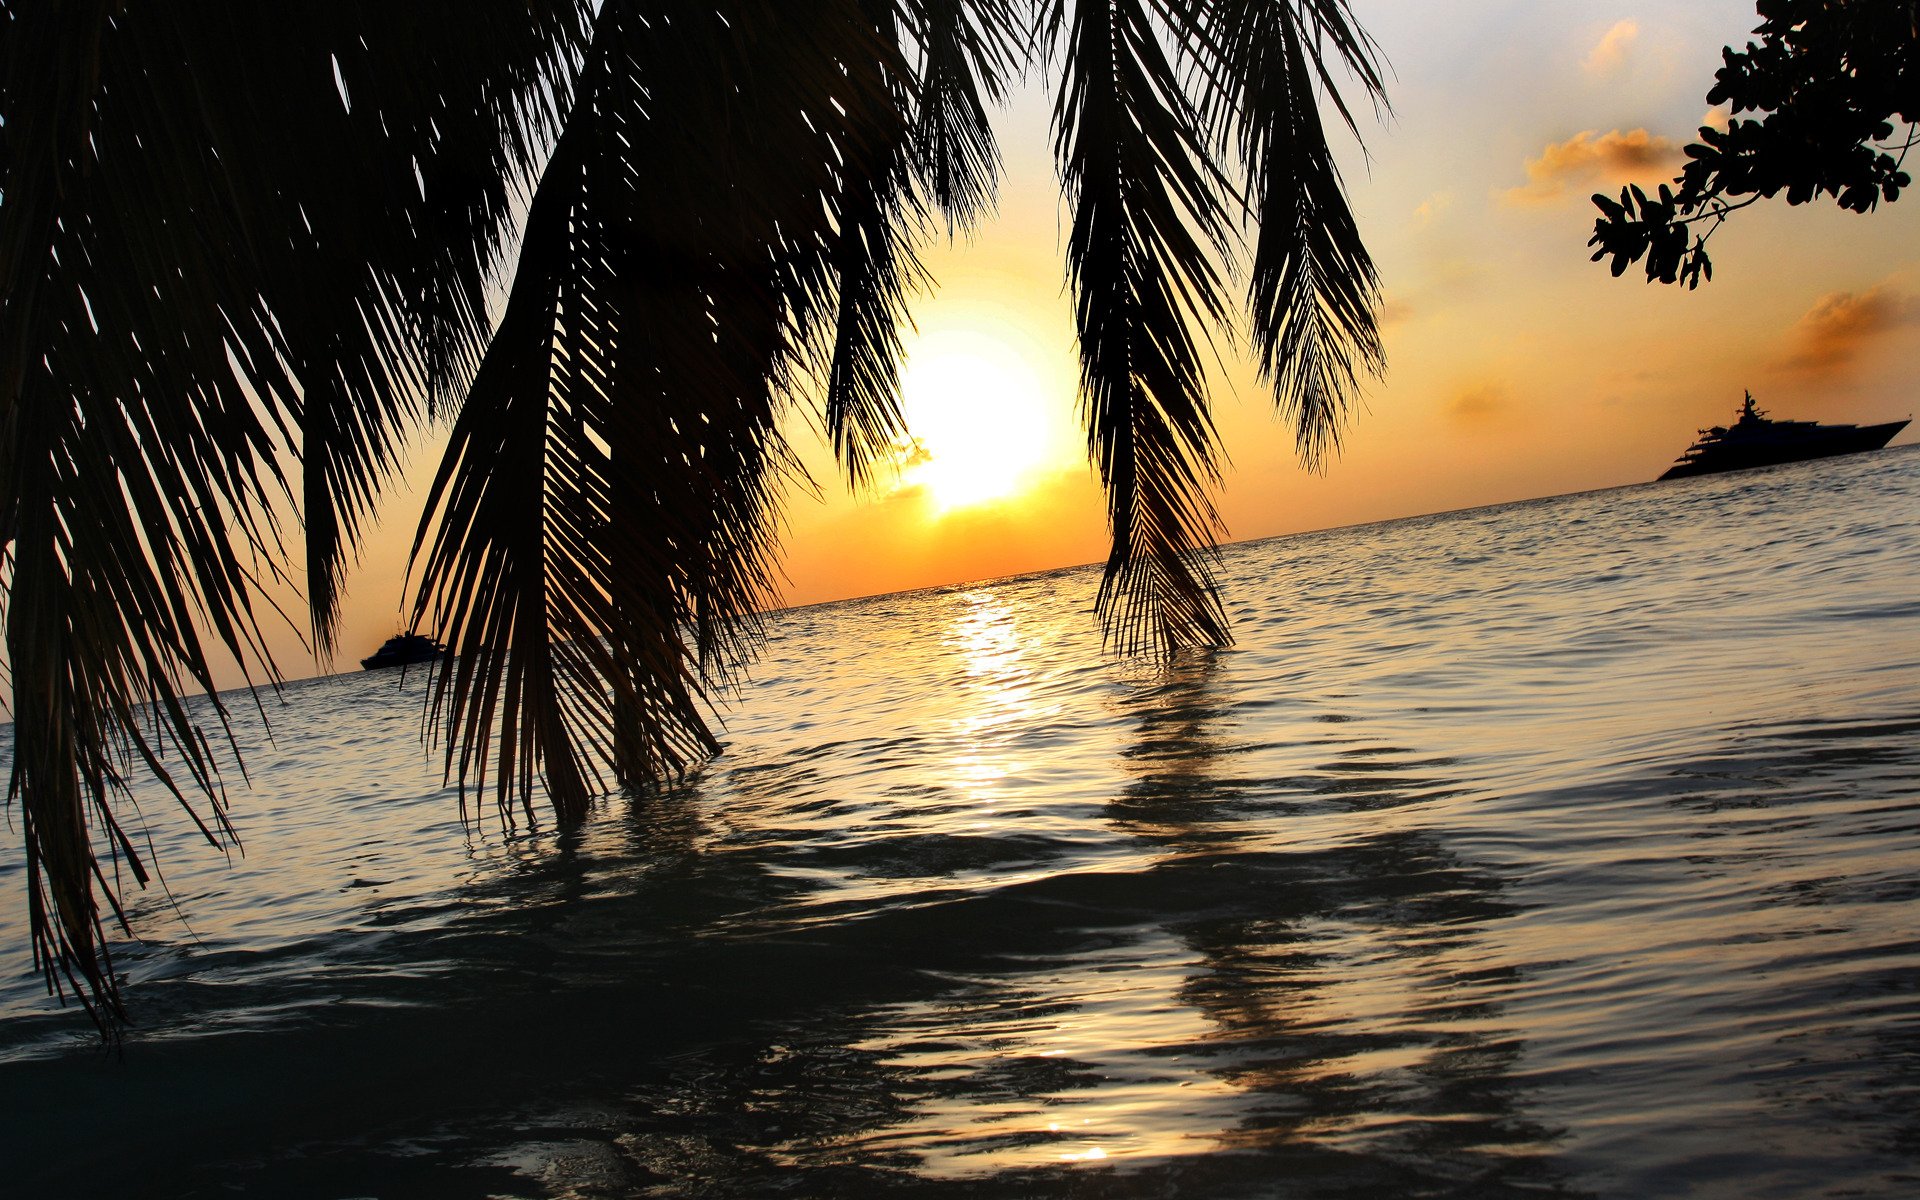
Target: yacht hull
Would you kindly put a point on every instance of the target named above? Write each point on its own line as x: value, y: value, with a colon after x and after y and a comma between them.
x: 1781, y: 444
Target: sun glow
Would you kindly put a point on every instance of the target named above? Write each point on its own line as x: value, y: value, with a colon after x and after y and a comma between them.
x: 981, y: 421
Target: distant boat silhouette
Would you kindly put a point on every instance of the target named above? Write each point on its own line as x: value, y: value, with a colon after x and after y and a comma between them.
x: 1757, y: 441
x: 403, y: 649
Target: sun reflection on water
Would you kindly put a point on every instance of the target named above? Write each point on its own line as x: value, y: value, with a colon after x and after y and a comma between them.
x: 994, y: 701
x: 1078, y: 1059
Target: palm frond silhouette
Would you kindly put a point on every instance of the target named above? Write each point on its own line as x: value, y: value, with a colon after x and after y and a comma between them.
x: 246, y: 249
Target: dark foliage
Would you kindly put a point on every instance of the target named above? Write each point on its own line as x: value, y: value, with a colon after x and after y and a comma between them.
x: 247, y: 248
x: 1833, y: 81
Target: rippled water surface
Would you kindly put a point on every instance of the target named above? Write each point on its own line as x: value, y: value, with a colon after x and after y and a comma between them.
x: 1566, y: 848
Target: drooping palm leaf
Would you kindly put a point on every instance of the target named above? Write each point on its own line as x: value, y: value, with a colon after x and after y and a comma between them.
x: 216, y: 262
x: 876, y: 264
x: 1313, y: 289
x: 1148, y: 229
x: 969, y: 49
x: 606, y: 512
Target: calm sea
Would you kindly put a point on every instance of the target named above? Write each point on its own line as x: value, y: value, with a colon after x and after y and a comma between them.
x: 1564, y: 848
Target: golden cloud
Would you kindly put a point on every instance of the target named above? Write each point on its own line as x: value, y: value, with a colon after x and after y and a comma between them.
x: 1843, y: 325
x: 1588, y: 158
x: 1432, y: 207
x: 1610, y: 54
x: 1479, y: 405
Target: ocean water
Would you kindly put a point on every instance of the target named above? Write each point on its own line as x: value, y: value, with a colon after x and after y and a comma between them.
x: 1564, y: 848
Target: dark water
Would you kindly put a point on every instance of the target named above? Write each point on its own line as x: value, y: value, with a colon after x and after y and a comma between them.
x: 1566, y: 848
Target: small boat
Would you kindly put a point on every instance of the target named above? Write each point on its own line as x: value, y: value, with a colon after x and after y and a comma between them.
x: 404, y: 649
x: 1755, y: 440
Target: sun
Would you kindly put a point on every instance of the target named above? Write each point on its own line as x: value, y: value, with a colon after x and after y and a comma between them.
x: 981, y: 420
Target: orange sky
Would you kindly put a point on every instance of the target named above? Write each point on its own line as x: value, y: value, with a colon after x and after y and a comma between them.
x: 1515, y: 367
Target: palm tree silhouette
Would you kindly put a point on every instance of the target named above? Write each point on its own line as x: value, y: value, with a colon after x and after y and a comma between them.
x: 247, y: 247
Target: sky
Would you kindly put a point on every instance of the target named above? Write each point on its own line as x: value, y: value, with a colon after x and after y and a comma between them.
x: 1516, y: 367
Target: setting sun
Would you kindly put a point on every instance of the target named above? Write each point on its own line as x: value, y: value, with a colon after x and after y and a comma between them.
x: 982, y: 421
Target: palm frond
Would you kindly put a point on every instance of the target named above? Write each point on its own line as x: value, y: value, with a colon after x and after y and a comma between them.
x: 1314, y: 292
x: 1148, y: 226
x: 503, y: 598
x: 877, y: 266
x: 603, y: 528
x: 878, y: 218
x: 969, y: 51
x: 214, y: 264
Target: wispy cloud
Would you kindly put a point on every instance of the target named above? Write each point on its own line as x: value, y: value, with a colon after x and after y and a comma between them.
x: 1610, y: 53
x: 1479, y: 404
x: 1841, y: 326
x: 1438, y: 286
x: 1427, y: 210
x: 1589, y: 158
